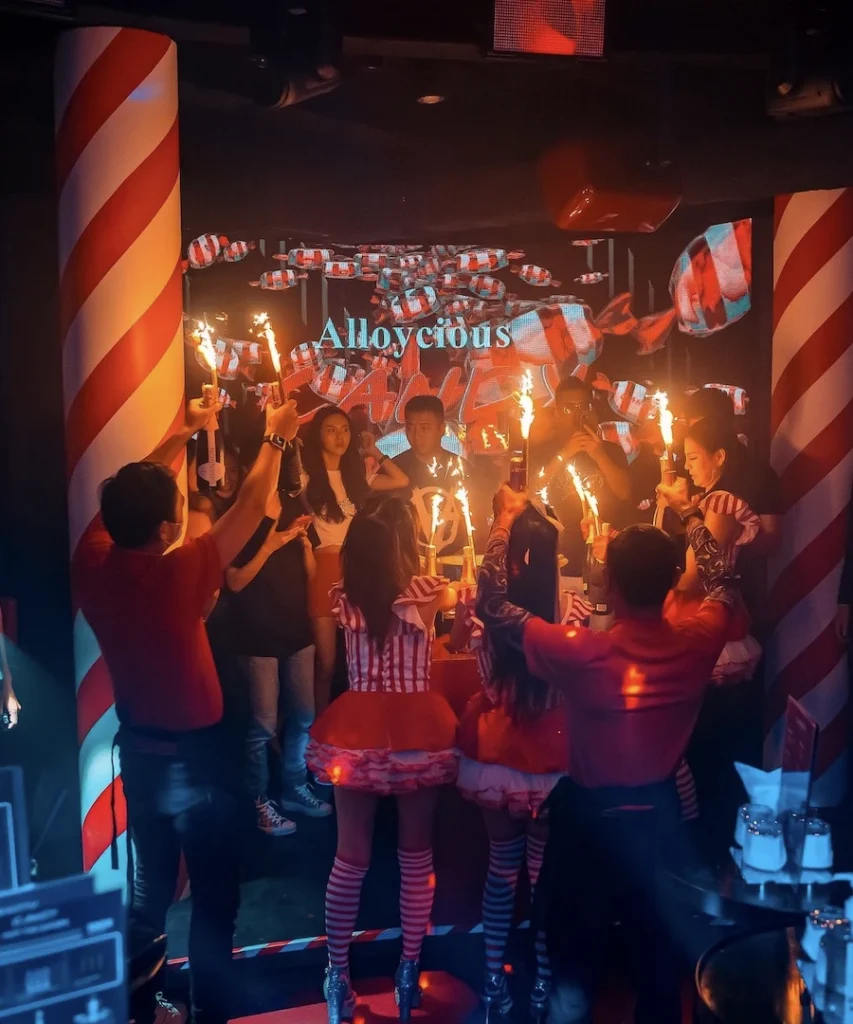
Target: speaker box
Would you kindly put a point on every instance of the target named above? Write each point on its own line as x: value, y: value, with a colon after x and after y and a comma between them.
x: 597, y: 187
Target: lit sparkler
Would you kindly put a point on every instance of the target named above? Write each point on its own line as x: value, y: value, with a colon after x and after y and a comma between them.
x: 204, y: 336
x: 525, y: 404
x: 264, y: 329
x: 437, y: 501
x: 462, y: 498
x: 665, y: 419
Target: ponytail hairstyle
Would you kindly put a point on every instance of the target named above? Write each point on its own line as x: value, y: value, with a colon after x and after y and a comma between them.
x: 380, y: 557
x: 319, y: 492
x: 713, y: 434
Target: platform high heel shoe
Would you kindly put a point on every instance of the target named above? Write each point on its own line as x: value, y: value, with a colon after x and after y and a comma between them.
x: 540, y: 997
x: 407, y: 991
x: 496, y: 998
x: 340, y: 998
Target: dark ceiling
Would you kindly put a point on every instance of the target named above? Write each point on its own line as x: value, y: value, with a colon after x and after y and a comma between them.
x: 685, y: 80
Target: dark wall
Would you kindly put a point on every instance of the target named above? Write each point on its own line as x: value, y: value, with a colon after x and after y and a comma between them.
x: 33, y: 517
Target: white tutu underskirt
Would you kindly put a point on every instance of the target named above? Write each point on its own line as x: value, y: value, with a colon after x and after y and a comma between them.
x: 738, y: 662
x: 496, y: 787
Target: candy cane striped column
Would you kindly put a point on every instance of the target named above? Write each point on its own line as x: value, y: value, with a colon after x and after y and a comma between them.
x: 812, y: 451
x: 121, y: 318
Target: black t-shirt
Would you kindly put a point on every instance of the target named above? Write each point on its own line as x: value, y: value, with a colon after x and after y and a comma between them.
x: 563, y: 498
x: 269, y: 616
x: 447, y: 480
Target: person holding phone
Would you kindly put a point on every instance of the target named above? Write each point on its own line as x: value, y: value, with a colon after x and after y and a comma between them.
x: 602, y: 465
x: 274, y: 648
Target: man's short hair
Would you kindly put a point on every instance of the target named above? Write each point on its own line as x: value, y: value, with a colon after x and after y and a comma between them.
x: 572, y: 383
x: 709, y: 403
x: 425, y: 403
x: 135, y: 501
x: 642, y: 561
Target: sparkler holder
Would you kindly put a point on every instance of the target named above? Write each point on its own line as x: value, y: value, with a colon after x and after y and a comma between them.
x: 469, y: 569
x: 667, y: 478
x: 518, y: 471
x: 431, y: 561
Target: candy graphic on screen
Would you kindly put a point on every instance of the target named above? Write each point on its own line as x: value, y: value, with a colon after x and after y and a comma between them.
x: 233, y: 357
x: 388, y: 250
x: 594, y: 278
x: 306, y: 355
x: 341, y: 269
x: 414, y: 304
x: 461, y: 304
x: 711, y: 282
x: 379, y: 260
x: 622, y: 434
x: 478, y: 260
x: 305, y: 259
x: 205, y: 250
x: 278, y: 280
x: 450, y: 281
x: 428, y: 267
x: 486, y: 287
x: 739, y: 397
x: 630, y: 400
x: 539, y: 277
x: 411, y: 260
x: 390, y: 280
x: 329, y: 382
x: 236, y: 251
x: 586, y: 241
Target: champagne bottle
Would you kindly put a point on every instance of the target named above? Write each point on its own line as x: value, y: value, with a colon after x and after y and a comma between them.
x: 210, y: 458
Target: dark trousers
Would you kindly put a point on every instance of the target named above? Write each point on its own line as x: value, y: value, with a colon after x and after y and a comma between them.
x: 602, y: 865
x: 175, y: 803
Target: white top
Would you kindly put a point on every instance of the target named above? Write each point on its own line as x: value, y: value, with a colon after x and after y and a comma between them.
x: 332, y: 534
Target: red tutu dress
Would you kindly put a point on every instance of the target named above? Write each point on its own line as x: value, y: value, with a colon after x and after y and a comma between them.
x: 389, y: 734
x: 505, y: 763
x: 742, y: 652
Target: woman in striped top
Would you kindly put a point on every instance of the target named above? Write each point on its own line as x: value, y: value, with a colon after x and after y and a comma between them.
x: 389, y: 735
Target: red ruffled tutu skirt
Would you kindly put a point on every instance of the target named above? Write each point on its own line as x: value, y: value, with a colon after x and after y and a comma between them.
x: 742, y: 652
x: 508, y: 765
x: 385, y: 743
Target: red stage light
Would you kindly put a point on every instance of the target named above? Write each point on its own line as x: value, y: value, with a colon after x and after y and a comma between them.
x: 559, y: 28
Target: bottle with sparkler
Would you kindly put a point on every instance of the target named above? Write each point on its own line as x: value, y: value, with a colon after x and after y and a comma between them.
x: 291, y: 476
x: 533, y: 581
x: 210, y: 458
x: 667, y: 467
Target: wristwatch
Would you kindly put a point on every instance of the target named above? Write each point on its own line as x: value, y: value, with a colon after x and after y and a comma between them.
x: 276, y: 440
x: 692, y: 511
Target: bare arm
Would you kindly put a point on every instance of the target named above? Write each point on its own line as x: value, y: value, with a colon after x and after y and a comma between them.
x: 389, y: 477
x: 234, y: 530
x: 198, y: 415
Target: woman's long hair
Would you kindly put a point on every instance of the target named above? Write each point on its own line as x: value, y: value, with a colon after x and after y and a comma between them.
x: 319, y: 492
x: 380, y: 557
x: 712, y: 435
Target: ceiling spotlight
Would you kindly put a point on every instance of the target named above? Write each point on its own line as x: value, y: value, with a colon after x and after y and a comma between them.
x: 430, y: 99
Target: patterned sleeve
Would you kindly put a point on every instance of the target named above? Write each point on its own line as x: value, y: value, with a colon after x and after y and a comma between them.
x: 493, y: 608
x: 711, y: 564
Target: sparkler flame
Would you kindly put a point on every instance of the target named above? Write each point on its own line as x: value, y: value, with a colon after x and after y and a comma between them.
x: 543, y: 495
x: 576, y: 480
x: 262, y: 322
x: 486, y: 443
x: 462, y: 498
x: 437, y: 501
x: 204, y: 334
x: 593, y: 503
x: 525, y: 403
x: 665, y: 417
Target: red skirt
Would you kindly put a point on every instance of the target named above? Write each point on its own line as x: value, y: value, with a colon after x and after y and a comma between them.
x: 385, y: 743
x: 327, y: 574
x: 510, y: 765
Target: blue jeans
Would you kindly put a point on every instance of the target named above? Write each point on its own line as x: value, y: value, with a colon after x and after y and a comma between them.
x: 279, y: 690
x: 176, y: 802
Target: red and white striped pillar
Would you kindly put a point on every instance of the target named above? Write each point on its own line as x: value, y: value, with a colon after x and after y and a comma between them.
x: 812, y: 451
x: 121, y: 319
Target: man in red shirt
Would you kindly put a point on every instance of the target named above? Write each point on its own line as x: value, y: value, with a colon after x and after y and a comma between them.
x: 145, y: 601
x: 633, y: 695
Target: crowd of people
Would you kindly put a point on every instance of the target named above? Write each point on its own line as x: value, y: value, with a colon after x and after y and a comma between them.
x: 574, y: 750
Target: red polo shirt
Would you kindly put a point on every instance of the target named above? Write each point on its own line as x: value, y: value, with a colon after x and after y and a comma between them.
x: 146, y: 612
x: 633, y: 693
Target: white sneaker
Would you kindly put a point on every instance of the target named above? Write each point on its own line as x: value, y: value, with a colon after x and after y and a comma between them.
x: 301, y: 800
x: 270, y: 821
x: 165, y: 1013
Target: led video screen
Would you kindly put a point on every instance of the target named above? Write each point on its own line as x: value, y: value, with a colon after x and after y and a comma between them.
x: 567, y: 28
